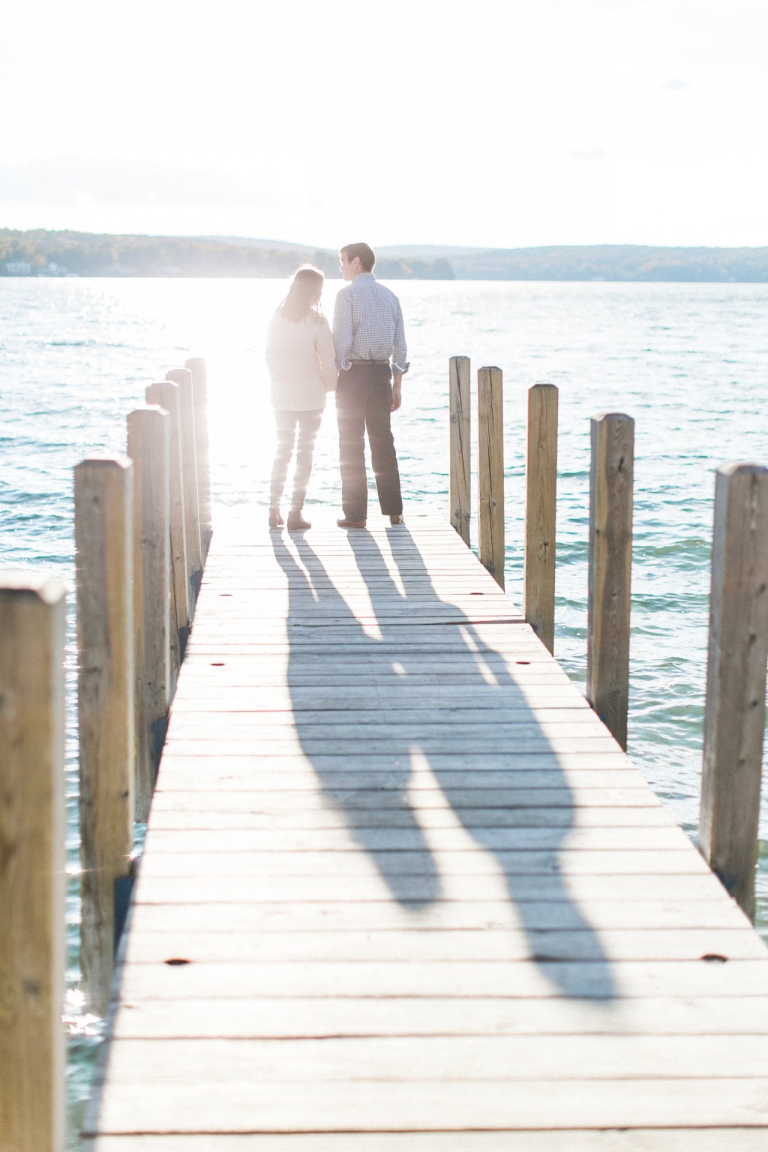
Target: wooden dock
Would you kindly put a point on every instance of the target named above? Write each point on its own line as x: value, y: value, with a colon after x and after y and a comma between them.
x: 402, y: 890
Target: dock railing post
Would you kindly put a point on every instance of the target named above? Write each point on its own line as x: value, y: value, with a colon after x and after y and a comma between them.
x: 459, y: 463
x: 104, y: 559
x: 541, y: 512
x: 734, y: 716
x: 32, y: 896
x: 148, y: 447
x: 183, y: 377
x: 165, y: 394
x: 197, y: 367
x: 610, y: 569
x: 490, y: 470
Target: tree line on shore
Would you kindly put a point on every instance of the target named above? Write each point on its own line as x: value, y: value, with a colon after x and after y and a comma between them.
x: 43, y: 253
x: 47, y: 253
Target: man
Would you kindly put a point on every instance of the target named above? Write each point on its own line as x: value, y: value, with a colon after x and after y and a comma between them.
x: 370, y: 347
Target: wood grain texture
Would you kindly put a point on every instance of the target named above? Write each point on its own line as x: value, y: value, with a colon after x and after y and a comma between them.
x: 165, y: 394
x: 611, y: 482
x: 175, y: 855
x: 170, y: 1098
x: 106, y: 709
x: 541, y: 513
x: 400, y: 883
x: 734, y: 722
x: 323, y: 1018
x: 32, y: 833
x: 183, y: 378
x: 197, y: 367
x: 490, y: 470
x: 459, y: 445
x: 467, y: 1059
x: 566, y: 1140
x: 534, y: 979
x: 149, y: 448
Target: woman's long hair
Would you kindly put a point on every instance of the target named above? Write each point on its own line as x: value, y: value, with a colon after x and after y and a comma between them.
x: 303, y: 297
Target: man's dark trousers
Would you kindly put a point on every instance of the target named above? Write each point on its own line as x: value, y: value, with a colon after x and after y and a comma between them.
x: 364, y: 403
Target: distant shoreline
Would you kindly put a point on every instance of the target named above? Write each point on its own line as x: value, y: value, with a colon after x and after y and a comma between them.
x: 61, y: 254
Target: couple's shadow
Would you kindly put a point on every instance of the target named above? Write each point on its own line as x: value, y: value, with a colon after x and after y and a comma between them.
x: 394, y: 733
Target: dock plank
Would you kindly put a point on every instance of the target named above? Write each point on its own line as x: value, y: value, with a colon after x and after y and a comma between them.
x: 634, y: 1140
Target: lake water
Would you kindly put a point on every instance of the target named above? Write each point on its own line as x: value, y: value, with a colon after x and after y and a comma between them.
x: 688, y: 362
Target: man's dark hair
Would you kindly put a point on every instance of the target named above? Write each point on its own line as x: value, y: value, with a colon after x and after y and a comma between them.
x: 364, y: 251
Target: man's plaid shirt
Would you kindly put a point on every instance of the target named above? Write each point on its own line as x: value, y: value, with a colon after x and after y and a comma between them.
x: 368, y: 324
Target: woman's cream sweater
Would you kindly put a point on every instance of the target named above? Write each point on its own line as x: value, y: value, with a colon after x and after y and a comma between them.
x: 301, y: 362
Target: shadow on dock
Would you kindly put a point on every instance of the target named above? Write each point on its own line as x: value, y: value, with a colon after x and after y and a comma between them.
x: 375, y: 801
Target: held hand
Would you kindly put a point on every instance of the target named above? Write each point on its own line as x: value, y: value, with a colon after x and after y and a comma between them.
x: 397, y: 395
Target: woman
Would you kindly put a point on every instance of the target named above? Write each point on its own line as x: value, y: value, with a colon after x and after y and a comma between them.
x: 300, y: 358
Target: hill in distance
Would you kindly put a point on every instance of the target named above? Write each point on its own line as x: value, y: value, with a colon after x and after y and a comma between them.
x: 627, y: 262
x: 45, y: 253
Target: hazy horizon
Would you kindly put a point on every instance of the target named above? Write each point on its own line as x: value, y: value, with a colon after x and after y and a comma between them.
x: 413, y: 249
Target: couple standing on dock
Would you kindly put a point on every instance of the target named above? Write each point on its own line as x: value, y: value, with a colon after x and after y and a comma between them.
x: 363, y: 361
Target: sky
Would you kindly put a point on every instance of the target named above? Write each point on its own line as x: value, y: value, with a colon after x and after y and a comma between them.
x: 485, y: 123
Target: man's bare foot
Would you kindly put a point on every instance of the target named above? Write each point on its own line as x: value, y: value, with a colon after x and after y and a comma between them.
x: 396, y: 519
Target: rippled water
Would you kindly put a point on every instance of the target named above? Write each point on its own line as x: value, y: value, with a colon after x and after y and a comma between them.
x: 689, y: 362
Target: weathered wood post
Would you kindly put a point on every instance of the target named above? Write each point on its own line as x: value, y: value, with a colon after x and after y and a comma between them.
x: 148, y: 447
x: 610, y: 568
x: 490, y: 469
x: 541, y: 512
x: 32, y: 838
x: 165, y: 394
x: 459, y: 467
x: 199, y: 372
x: 183, y: 377
x: 734, y: 717
x: 104, y: 557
